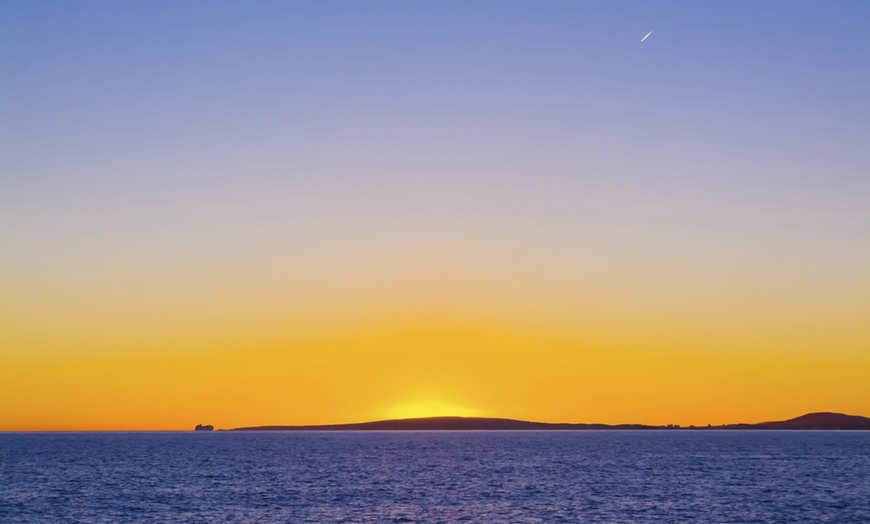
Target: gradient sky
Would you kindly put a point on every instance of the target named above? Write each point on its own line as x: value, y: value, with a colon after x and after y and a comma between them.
x: 245, y: 213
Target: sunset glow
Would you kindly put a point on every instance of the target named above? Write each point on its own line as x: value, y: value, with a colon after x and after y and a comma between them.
x: 430, y: 408
x: 295, y: 213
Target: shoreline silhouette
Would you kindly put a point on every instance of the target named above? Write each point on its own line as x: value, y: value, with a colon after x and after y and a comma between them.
x: 811, y: 421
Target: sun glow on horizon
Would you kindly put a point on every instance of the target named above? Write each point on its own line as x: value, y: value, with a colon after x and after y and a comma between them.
x: 430, y: 408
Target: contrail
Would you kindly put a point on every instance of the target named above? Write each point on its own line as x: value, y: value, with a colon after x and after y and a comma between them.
x: 647, y: 36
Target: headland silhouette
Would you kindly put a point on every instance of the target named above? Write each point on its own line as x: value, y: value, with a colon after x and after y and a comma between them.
x: 815, y: 421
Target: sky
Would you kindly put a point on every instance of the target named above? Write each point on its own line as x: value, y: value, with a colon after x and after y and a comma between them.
x: 239, y: 214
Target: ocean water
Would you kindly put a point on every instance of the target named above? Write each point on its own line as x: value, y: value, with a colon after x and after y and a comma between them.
x: 488, y: 477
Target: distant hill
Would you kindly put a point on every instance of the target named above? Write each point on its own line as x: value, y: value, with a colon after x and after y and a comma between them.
x: 820, y: 421
x: 808, y: 421
x: 442, y: 423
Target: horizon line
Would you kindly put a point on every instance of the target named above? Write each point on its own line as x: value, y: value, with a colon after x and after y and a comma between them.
x: 434, y: 417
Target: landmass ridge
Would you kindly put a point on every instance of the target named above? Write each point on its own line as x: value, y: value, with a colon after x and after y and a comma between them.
x: 813, y: 421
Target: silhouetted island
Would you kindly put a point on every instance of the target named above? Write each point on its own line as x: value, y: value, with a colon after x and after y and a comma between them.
x: 808, y: 421
x: 811, y: 421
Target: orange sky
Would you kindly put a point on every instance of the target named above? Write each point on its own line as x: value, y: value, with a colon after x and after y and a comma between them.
x: 464, y: 323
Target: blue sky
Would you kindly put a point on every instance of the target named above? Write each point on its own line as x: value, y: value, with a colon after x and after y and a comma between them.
x: 740, y: 100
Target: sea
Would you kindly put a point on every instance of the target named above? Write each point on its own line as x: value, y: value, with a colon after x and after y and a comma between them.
x: 438, y: 476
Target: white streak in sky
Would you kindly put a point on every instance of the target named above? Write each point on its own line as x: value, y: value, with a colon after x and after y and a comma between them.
x: 647, y: 36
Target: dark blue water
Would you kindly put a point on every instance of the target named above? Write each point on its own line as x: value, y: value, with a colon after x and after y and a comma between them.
x: 591, y: 476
